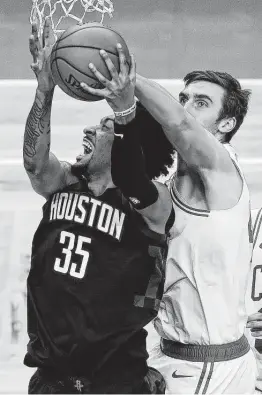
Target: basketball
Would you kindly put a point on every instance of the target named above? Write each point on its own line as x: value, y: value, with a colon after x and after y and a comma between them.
x: 75, y: 49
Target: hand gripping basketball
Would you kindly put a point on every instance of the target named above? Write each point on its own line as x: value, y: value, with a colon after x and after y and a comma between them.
x: 41, y: 52
x: 120, y: 90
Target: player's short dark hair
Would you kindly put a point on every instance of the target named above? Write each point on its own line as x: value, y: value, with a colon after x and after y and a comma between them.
x: 158, y: 151
x: 235, y: 103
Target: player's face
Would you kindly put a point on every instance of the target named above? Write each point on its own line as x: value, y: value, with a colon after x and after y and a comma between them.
x: 204, y: 101
x: 97, y: 144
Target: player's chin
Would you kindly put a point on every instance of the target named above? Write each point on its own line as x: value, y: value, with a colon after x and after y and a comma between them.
x: 81, y: 164
x: 83, y: 159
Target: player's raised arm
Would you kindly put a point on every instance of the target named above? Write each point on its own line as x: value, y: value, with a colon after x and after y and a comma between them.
x: 45, y: 171
x: 151, y: 199
x: 195, y: 144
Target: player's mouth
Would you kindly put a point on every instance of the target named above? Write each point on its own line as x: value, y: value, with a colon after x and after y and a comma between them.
x: 88, y: 149
x: 88, y: 146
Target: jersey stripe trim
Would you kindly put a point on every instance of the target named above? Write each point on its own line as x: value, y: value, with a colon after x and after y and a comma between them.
x: 200, y: 381
x: 257, y: 226
x: 256, y: 220
x: 209, y: 377
x: 182, y: 206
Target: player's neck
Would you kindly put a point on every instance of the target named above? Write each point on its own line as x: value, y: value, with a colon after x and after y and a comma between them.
x: 98, y: 183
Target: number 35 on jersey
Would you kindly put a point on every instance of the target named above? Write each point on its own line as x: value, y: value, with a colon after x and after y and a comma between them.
x: 73, y: 245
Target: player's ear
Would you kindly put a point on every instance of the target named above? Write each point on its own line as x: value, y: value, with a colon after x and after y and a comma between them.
x: 226, y: 125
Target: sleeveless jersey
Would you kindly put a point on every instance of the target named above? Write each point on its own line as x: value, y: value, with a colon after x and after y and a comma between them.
x: 206, y: 272
x: 254, y: 290
x: 96, y: 280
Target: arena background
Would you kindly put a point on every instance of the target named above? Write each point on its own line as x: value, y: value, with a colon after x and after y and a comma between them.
x: 168, y: 38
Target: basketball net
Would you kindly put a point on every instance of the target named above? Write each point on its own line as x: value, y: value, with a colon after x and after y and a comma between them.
x: 60, y: 10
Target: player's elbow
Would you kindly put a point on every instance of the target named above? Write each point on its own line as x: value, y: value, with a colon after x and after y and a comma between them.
x: 33, y: 167
x: 29, y: 166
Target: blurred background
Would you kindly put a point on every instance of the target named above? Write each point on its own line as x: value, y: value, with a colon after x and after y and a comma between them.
x: 169, y: 38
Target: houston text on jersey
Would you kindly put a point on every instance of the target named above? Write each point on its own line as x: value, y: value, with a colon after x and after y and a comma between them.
x: 92, y: 212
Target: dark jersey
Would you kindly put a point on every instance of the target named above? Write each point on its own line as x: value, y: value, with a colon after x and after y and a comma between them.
x: 96, y: 280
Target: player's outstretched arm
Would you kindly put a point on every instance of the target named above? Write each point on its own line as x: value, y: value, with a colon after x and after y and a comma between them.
x: 152, y: 200
x: 198, y: 147
x: 45, y: 171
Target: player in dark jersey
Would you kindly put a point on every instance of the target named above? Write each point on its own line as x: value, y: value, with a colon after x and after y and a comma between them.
x: 96, y: 276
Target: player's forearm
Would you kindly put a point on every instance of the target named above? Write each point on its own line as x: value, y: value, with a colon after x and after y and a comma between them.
x: 128, y: 167
x: 162, y: 106
x: 37, y: 133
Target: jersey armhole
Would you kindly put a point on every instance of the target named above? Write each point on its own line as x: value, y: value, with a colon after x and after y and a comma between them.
x: 158, y: 239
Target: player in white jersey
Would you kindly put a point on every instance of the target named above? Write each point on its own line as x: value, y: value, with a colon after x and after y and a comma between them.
x: 202, y: 316
x: 254, y: 295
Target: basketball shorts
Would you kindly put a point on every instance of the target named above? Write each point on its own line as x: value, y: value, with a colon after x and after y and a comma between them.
x: 192, y: 369
x: 42, y: 382
x: 258, y: 357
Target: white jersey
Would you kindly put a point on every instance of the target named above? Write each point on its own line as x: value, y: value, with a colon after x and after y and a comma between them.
x: 206, y: 272
x: 254, y: 290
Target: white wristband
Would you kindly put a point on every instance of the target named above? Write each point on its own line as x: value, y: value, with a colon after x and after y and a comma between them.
x: 126, y: 112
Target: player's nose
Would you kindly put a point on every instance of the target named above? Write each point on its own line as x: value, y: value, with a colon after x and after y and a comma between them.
x: 91, y: 131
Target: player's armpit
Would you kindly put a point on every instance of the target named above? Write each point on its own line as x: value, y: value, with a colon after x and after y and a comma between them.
x: 157, y: 214
x: 53, y: 177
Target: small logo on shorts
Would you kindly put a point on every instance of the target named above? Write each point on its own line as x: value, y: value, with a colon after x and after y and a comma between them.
x: 177, y: 376
x: 78, y: 385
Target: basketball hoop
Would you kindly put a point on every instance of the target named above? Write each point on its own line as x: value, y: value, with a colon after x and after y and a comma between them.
x: 60, y: 10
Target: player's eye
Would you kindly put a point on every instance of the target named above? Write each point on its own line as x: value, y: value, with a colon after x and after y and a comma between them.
x: 201, y: 103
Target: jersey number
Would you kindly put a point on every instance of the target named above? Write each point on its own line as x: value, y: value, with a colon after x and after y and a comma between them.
x: 257, y: 283
x: 75, y: 245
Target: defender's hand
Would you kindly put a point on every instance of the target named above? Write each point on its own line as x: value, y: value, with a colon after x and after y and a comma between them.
x: 254, y: 322
x: 41, y: 57
x: 120, y: 91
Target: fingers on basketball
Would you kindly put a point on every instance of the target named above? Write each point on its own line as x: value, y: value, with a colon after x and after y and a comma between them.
x: 101, y: 78
x: 132, y: 71
x: 93, y: 91
x: 123, y: 65
x: 110, y: 65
